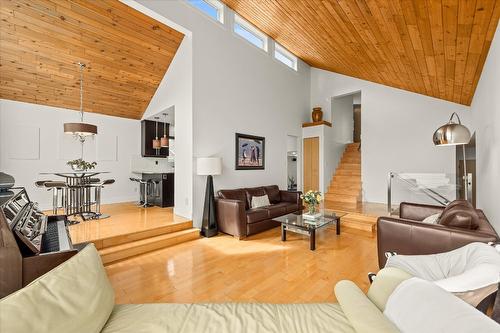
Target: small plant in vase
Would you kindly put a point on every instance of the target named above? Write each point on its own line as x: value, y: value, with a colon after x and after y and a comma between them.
x: 312, y: 199
x: 81, y: 165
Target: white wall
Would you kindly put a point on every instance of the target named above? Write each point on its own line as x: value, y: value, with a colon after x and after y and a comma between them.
x: 237, y: 88
x: 50, y: 148
x: 397, y: 128
x: 486, y: 112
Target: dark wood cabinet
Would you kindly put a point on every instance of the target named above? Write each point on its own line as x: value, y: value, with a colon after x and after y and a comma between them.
x: 148, y: 134
x: 161, y: 191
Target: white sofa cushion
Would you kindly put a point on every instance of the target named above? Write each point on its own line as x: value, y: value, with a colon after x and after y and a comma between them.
x: 76, y: 296
x: 228, y: 318
x: 363, y: 315
x: 385, y: 282
x: 418, y: 306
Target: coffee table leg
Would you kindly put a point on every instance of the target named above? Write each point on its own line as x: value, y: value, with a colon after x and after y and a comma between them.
x: 338, y: 226
x: 283, y: 233
x: 312, y: 240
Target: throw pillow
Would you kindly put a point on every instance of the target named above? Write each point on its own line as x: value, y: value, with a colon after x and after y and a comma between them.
x: 433, y: 219
x: 260, y: 201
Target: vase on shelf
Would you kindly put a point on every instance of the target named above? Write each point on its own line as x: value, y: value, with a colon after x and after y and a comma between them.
x: 317, y: 114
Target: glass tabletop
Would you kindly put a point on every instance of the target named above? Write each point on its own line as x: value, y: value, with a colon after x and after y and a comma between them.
x: 74, y: 173
x: 297, y: 220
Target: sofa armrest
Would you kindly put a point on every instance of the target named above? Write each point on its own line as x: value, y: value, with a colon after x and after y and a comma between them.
x: 417, y: 212
x: 413, y: 238
x: 291, y: 196
x: 231, y: 217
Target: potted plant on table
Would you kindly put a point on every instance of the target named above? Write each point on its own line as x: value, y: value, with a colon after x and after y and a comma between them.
x: 81, y: 165
x: 312, y: 199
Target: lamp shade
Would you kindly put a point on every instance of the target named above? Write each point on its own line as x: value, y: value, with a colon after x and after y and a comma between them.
x: 208, y: 166
x: 156, y: 144
x: 451, y: 134
x: 82, y: 129
x: 164, y: 141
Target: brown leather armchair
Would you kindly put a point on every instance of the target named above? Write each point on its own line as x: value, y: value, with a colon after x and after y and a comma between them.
x: 236, y: 217
x: 458, y: 225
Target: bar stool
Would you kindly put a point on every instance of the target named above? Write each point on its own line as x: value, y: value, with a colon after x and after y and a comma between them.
x: 97, y: 195
x: 56, y: 187
x: 144, y: 189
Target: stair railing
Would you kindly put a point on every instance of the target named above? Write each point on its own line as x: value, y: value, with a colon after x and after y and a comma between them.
x: 424, y: 189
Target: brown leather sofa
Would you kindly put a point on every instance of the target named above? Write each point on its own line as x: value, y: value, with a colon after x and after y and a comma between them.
x: 459, y: 224
x: 236, y: 217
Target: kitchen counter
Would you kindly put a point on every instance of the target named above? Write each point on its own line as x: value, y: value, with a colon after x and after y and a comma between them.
x: 152, y: 172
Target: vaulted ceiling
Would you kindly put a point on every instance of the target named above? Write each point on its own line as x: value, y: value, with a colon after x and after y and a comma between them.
x: 126, y: 52
x: 432, y: 47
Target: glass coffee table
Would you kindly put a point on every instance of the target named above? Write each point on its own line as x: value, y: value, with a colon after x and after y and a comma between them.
x: 294, y: 222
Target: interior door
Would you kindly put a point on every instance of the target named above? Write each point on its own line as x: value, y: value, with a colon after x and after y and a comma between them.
x: 311, y: 164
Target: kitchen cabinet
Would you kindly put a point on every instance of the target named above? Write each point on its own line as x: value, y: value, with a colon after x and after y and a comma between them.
x: 148, y: 134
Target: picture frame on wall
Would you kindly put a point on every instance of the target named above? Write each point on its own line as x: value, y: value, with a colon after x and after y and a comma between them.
x: 250, y: 152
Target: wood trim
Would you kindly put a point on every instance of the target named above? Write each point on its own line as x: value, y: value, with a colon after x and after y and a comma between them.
x: 317, y: 123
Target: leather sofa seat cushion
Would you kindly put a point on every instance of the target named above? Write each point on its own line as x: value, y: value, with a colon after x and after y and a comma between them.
x: 276, y: 210
x: 257, y: 214
x: 238, y: 194
x: 76, y: 296
x: 460, y: 214
x: 253, y: 191
x: 273, y: 192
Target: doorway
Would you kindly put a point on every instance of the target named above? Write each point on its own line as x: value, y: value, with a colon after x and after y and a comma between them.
x: 292, y: 165
x: 470, y: 161
x: 311, y: 164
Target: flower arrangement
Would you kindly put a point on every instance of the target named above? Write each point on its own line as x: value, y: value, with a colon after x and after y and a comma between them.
x: 312, y: 199
x: 81, y: 165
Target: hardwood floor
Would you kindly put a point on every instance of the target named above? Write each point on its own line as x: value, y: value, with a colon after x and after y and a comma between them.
x: 260, y: 268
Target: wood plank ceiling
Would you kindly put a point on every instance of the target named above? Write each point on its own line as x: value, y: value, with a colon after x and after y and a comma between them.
x: 126, y: 52
x: 432, y: 47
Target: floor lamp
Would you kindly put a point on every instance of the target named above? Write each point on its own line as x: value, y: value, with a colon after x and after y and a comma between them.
x: 209, y: 166
x: 454, y: 134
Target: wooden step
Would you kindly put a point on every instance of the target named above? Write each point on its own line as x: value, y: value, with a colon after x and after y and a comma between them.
x: 348, y: 172
x: 349, y: 166
x: 341, y: 179
x: 337, y: 190
x: 130, y: 237
x: 359, y: 222
x: 127, y: 250
x: 341, y: 206
x: 342, y: 197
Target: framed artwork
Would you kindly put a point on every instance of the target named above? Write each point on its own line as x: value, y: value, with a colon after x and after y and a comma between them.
x: 250, y: 152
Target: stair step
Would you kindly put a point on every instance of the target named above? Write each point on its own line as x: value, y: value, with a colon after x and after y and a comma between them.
x: 341, y: 206
x: 341, y: 179
x: 127, y: 238
x: 348, y: 172
x: 349, y: 166
x: 343, y: 190
x: 342, y: 198
x: 123, y: 251
x: 359, y: 221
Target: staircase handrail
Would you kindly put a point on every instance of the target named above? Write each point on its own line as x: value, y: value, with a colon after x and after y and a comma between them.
x: 427, y: 191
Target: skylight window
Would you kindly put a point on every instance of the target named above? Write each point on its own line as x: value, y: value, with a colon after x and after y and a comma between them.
x: 283, y: 55
x: 213, y: 8
x: 250, y: 33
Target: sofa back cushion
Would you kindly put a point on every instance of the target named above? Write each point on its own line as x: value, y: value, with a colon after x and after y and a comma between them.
x: 237, y: 194
x: 438, y: 310
x: 76, y: 296
x: 273, y: 192
x: 460, y: 214
x: 254, y: 192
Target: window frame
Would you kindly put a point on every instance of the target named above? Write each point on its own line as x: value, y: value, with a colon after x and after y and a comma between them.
x: 287, y: 54
x: 251, y: 29
x: 216, y: 4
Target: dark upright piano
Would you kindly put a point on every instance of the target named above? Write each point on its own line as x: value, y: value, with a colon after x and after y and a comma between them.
x: 31, y: 243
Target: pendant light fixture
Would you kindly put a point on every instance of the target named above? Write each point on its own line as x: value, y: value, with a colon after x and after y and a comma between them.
x: 164, y: 139
x: 156, y: 141
x: 80, y: 130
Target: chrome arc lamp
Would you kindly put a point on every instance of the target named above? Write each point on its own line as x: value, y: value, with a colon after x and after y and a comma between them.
x: 454, y: 134
x: 80, y: 130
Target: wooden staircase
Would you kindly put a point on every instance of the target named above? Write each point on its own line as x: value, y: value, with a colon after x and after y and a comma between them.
x: 344, y: 192
x: 345, y: 188
x: 125, y: 246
